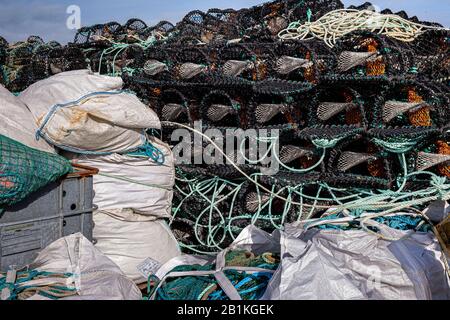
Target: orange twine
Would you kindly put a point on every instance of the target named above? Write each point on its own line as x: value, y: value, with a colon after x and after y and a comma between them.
x: 421, y: 117
x: 443, y: 148
x: 376, y: 67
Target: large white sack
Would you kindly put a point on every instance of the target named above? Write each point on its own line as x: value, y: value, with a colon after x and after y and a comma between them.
x: 128, y: 239
x: 84, y: 112
x: 17, y: 122
x: 65, y: 87
x: 136, y: 183
x: 101, y: 123
x: 96, y: 276
x: 354, y: 264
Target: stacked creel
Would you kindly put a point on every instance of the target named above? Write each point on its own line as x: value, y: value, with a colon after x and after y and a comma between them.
x: 357, y: 115
x: 25, y: 62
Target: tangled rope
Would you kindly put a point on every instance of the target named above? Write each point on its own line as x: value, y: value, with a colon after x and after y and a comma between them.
x: 338, y: 23
x: 350, y: 202
x: 250, y: 286
x: 116, y: 48
x: 21, y: 285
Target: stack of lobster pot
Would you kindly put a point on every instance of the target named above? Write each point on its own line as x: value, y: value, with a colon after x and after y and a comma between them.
x: 369, y: 112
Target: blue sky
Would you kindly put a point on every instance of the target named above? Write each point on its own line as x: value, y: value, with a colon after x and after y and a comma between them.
x: 47, y: 18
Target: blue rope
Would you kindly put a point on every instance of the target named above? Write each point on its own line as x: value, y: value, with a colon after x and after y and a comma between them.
x: 150, y: 151
x: 398, y: 222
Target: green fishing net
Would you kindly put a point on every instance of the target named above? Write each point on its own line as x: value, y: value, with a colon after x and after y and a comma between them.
x: 24, y: 170
x: 250, y: 286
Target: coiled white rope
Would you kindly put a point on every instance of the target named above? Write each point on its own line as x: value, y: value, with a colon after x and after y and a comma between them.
x: 338, y: 23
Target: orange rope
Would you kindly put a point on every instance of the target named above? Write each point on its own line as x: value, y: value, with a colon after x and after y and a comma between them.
x: 421, y: 117
x: 375, y: 167
x: 377, y: 67
x: 443, y: 148
x: 353, y: 115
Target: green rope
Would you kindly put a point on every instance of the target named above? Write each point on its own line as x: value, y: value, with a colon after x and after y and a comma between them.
x: 117, y: 48
x: 396, y: 146
x: 117, y: 177
x: 249, y: 286
x: 213, y: 221
x: 19, y: 290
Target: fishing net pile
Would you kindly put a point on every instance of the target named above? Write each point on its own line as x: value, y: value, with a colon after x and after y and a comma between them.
x: 24, y: 170
x: 22, y: 287
x: 351, y: 105
x: 248, y: 273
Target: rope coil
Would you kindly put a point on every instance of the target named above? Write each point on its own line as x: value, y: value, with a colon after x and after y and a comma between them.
x: 337, y: 23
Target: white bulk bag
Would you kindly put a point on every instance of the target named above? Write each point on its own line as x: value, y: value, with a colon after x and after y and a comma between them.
x: 95, y: 276
x: 87, y: 113
x: 129, y: 182
x: 354, y: 264
x: 128, y: 239
x: 17, y: 122
x: 251, y: 239
x: 65, y: 87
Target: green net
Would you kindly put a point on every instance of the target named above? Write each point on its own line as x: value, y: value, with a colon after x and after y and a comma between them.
x: 24, y: 170
x: 27, y: 285
x: 250, y: 286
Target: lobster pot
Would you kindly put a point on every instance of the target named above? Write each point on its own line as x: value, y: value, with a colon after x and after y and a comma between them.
x: 191, y: 63
x: 17, y: 70
x: 156, y: 63
x: 219, y: 109
x: 238, y: 61
x: 338, y: 105
x: 173, y: 106
x: 294, y: 61
x: 431, y: 50
x: 359, y: 161
x: 415, y: 104
x: 362, y: 55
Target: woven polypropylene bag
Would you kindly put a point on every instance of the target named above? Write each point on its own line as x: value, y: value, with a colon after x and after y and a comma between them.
x: 24, y: 170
